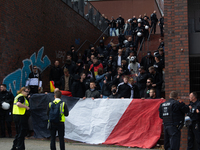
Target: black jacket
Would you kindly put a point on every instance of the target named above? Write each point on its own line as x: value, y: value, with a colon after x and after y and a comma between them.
x: 56, y: 73
x: 124, y: 90
x: 6, y: 96
x: 157, y: 79
x: 147, y: 62
x: 141, y: 80
x: 78, y: 89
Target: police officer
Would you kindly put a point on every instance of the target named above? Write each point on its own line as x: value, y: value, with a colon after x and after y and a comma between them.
x: 194, y: 128
x: 161, y: 24
x: 20, y: 116
x: 5, y: 115
x: 172, y: 112
x: 58, y: 126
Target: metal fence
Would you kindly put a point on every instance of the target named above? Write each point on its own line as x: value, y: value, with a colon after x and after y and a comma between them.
x: 89, y: 12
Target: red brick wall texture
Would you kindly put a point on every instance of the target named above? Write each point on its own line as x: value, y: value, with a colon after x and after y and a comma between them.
x: 28, y: 26
x: 177, y: 52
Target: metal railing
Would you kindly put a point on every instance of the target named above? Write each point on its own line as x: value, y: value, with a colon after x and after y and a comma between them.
x: 89, y: 12
x: 141, y: 44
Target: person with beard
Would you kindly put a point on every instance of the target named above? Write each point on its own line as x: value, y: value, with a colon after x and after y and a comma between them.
x: 152, y: 94
x: 77, y: 88
x: 147, y: 61
x: 34, y: 81
x: 148, y: 87
x: 161, y: 24
x: 79, y: 67
x: 133, y: 66
x: 139, y: 35
x: 141, y: 80
x: 125, y: 89
x: 56, y: 73
x: 106, y: 86
x: 154, y: 21
x: 70, y: 65
x: 136, y: 93
x: 114, y: 92
x: 66, y: 81
x: 73, y: 53
x: 6, y: 114
x: 95, y: 66
x: 120, y: 22
x: 157, y: 80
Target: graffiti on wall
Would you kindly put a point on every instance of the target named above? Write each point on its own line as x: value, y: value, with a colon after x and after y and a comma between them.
x: 17, y: 79
x: 61, y: 55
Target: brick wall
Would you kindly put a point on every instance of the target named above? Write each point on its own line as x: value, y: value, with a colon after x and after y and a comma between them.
x: 177, y: 52
x: 26, y: 26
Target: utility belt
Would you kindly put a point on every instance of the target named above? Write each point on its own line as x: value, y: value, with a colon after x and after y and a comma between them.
x: 179, y: 125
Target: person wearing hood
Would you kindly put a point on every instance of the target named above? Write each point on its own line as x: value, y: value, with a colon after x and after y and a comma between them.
x: 101, y: 48
x: 78, y: 87
x: 95, y: 66
x: 79, y: 67
x: 70, y: 65
x: 73, y: 53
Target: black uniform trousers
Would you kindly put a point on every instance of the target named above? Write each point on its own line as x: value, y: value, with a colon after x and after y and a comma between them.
x: 5, y: 117
x: 193, y: 134
x: 21, y: 125
x: 161, y: 30
x: 61, y: 132
x: 138, y: 39
x: 171, y: 137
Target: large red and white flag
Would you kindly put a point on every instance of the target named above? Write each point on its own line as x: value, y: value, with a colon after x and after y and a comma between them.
x: 125, y: 122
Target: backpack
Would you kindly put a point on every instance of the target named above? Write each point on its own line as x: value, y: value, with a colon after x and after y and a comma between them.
x: 54, y: 113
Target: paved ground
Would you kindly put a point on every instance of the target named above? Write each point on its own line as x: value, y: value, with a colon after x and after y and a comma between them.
x: 35, y: 144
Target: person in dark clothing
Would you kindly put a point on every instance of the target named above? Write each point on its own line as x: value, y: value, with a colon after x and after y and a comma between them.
x: 136, y: 93
x: 152, y: 94
x: 120, y: 22
x: 139, y: 35
x: 162, y: 44
x: 114, y: 51
x: 77, y: 88
x: 133, y: 28
x: 158, y: 65
x: 173, y: 113
x: 70, y: 65
x: 66, y: 81
x: 73, y: 53
x: 125, y: 89
x: 161, y: 24
x: 114, y: 92
x: 146, y: 26
x: 157, y: 80
x: 106, y: 86
x: 194, y: 127
x: 60, y: 126
x: 92, y: 92
x: 113, y: 26
x: 101, y: 48
x: 34, y: 81
x: 20, y: 116
x: 162, y: 56
x: 5, y: 114
x: 118, y: 77
x: 148, y: 87
x: 79, y: 67
x: 56, y: 73
x: 154, y: 21
x: 111, y: 66
x: 141, y: 80
x: 147, y: 61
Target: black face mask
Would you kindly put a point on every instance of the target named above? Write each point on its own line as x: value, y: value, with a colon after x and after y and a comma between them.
x: 114, y: 91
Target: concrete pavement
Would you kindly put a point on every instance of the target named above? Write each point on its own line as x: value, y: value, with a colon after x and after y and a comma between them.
x: 39, y: 144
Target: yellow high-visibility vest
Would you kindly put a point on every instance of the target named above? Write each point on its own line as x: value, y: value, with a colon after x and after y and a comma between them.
x: 61, y: 109
x: 19, y: 110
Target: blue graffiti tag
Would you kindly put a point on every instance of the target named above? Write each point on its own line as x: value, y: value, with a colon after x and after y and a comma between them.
x: 17, y: 79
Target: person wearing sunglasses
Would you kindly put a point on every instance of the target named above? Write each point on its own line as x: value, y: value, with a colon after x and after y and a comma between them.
x: 20, y: 116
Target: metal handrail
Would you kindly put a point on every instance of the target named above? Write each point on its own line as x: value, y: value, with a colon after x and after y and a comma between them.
x: 82, y: 45
x: 101, y: 35
x: 141, y: 46
x: 150, y: 33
